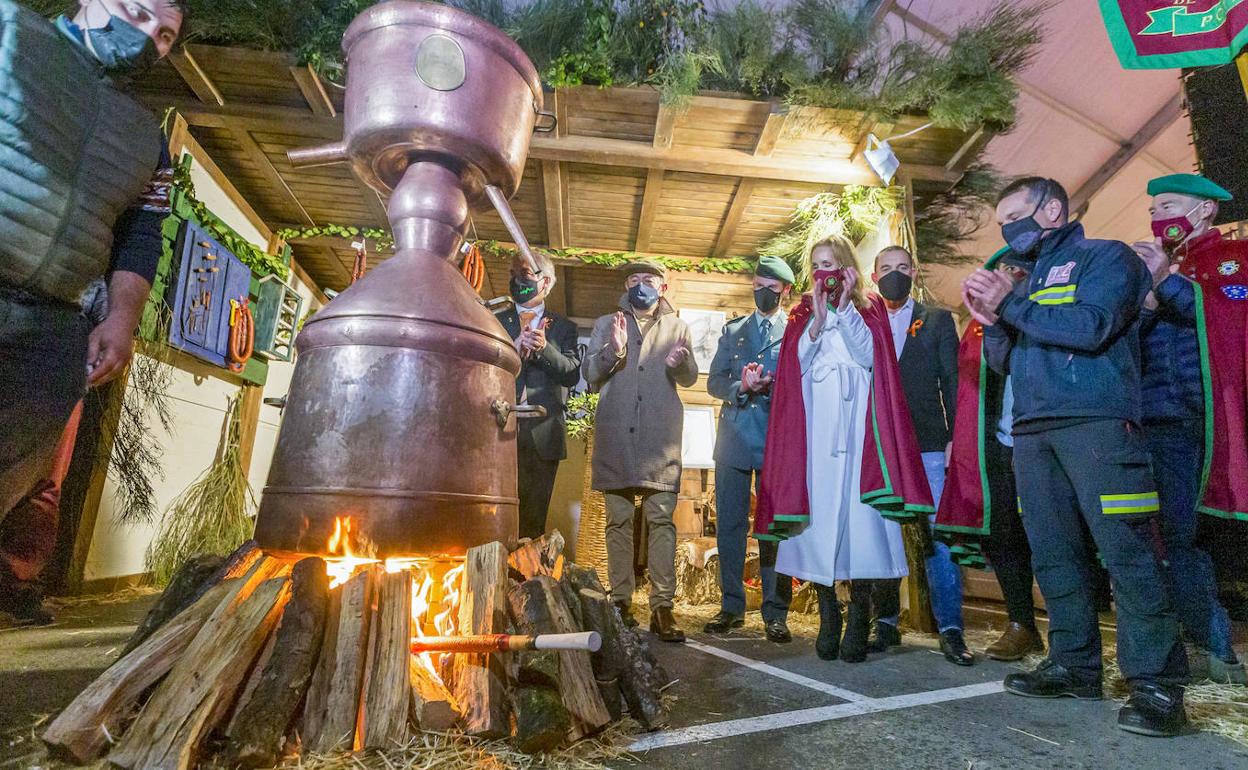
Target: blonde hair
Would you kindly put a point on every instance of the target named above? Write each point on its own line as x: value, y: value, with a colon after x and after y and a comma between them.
x: 845, y: 255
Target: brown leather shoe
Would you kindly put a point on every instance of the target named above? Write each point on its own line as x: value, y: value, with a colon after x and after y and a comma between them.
x: 1015, y: 643
x: 664, y: 625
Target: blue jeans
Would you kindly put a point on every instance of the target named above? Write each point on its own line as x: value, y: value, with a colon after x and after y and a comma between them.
x: 944, y: 578
x: 1177, y: 450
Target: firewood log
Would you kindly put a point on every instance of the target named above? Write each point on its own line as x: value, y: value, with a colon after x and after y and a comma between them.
x: 170, y: 729
x: 83, y: 730
x: 477, y: 681
x: 543, y: 556
x: 537, y: 607
x: 433, y: 708
x: 313, y: 720
x: 387, y: 688
x: 192, y: 580
x: 542, y: 721
x: 598, y: 615
x: 643, y: 679
x: 340, y: 726
x: 263, y: 716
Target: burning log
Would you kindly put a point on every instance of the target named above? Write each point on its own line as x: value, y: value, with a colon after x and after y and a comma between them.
x: 261, y: 721
x: 190, y: 583
x: 432, y: 708
x: 387, y: 688
x: 198, y: 691
x: 477, y: 680
x: 537, y: 607
x: 83, y: 730
x: 317, y: 700
x: 543, y: 556
x: 341, y: 716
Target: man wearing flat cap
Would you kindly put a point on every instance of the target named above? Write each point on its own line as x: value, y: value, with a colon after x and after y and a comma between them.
x: 1192, y: 345
x: 741, y: 375
x: 636, y: 358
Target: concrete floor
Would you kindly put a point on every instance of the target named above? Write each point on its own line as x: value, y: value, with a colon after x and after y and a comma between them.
x: 741, y: 703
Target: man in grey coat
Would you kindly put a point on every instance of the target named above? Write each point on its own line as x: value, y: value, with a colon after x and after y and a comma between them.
x: 741, y: 376
x: 636, y: 358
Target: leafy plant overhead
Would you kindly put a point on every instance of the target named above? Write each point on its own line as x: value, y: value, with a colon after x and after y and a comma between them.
x: 822, y: 53
x: 260, y: 262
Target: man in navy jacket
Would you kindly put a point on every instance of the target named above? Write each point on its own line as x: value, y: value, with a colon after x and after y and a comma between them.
x: 1069, y: 337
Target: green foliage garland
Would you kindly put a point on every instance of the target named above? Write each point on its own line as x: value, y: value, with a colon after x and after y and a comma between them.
x: 582, y: 408
x: 617, y: 258
x: 260, y: 262
x: 381, y: 238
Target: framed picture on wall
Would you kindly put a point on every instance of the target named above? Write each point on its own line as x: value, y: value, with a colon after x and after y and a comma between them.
x: 705, y: 327
x: 697, y: 446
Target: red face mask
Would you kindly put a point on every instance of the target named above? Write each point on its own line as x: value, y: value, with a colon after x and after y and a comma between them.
x: 1174, y: 230
x: 834, y: 282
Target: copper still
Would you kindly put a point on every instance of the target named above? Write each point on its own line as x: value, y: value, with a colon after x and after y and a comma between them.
x: 401, y: 411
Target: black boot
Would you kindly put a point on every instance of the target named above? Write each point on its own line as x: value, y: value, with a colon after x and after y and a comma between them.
x: 1050, y: 680
x: 829, y: 641
x: 1153, y: 709
x: 25, y: 604
x: 857, y: 623
x: 886, y: 635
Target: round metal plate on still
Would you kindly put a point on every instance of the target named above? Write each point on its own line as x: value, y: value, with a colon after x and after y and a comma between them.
x: 440, y: 63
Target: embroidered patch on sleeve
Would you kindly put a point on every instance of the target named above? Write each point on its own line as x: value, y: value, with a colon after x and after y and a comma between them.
x: 1229, y: 267
x: 1235, y: 291
x: 1059, y: 273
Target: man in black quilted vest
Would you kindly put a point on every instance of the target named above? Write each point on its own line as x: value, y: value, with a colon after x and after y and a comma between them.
x: 84, y: 176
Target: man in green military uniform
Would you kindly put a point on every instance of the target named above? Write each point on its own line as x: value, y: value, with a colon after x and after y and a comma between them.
x: 741, y: 376
x: 77, y: 209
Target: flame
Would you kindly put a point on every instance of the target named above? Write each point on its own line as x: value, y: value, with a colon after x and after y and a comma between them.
x: 440, y: 611
x: 341, y: 568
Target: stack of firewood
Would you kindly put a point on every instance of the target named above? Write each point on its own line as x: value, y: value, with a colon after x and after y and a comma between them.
x: 255, y: 658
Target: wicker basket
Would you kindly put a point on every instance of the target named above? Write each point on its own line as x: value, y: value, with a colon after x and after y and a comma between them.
x: 591, y: 535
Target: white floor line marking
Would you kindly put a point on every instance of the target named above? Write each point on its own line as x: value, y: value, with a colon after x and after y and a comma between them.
x: 767, y: 722
x: 779, y: 673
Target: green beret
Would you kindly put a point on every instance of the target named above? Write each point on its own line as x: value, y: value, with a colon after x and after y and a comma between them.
x: 774, y: 267
x: 1005, y: 256
x: 1194, y: 185
x: 644, y: 266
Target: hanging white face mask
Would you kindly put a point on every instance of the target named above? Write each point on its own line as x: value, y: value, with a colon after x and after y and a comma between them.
x: 881, y: 158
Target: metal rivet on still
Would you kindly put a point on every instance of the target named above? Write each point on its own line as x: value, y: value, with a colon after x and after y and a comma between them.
x: 440, y: 63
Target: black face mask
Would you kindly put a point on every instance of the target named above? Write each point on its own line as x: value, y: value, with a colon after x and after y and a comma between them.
x: 523, y: 289
x: 766, y: 299
x: 1023, y: 235
x: 123, y: 48
x: 895, y: 286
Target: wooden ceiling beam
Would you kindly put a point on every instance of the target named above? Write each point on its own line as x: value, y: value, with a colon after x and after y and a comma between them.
x: 313, y: 91
x: 556, y: 211
x: 1152, y: 128
x: 736, y: 212
x: 585, y: 149
x: 261, y: 161
x: 969, y: 150
x: 772, y: 129
x: 649, y: 209
x: 195, y: 77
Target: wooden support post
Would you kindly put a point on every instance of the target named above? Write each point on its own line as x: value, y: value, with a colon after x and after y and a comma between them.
x: 553, y: 193
x: 664, y: 127
x: 772, y: 130
x: 734, y: 217
x: 196, y: 695
x: 477, y: 680
x: 313, y: 91
x: 649, y: 209
x: 195, y: 77
x: 248, y: 424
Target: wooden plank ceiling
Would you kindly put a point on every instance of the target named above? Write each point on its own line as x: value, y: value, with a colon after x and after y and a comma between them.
x: 621, y: 173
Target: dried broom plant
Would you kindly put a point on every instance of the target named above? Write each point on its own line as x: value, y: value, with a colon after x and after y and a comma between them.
x: 213, y: 514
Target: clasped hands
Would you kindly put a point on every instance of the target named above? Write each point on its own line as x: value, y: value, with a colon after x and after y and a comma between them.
x: 983, y: 292
x: 754, y: 379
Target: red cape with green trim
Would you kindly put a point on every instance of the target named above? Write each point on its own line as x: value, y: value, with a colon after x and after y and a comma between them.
x: 1219, y: 267
x: 964, y: 516
x: 893, y: 479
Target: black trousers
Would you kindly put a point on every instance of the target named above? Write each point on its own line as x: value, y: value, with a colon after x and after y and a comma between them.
x: 1006, y: 545
x: 1098, y: 473
x: 535, y: 480
x: 43, y: 376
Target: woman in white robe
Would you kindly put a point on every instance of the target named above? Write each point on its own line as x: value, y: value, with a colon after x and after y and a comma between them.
x: 845, y: 539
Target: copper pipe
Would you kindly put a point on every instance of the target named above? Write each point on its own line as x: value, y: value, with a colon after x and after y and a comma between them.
x: 513, y: 227
x: 588, y: 641
x: 325, y: 155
